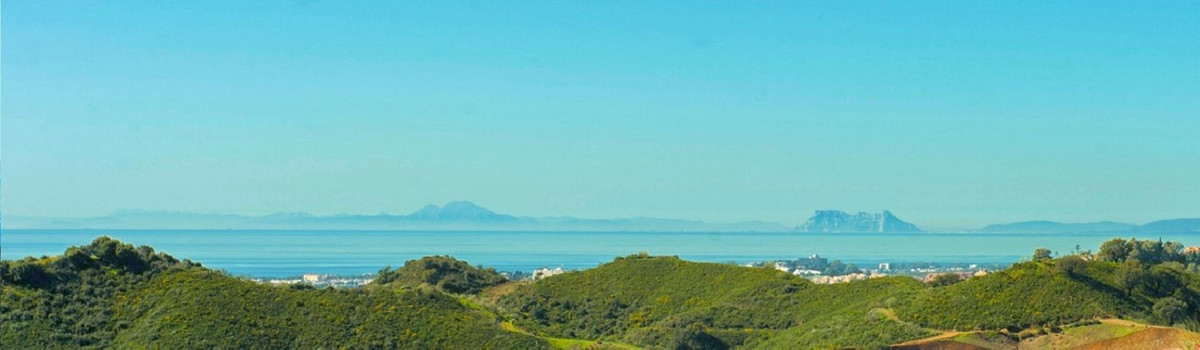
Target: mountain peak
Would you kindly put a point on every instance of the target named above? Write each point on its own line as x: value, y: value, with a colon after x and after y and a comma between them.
x: 458, y: 211
x: 840, y: 221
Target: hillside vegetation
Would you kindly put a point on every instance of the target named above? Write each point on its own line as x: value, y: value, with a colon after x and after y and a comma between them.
x: 1140, y: 280
x: 250, y: 315
x: 668, y: 302
x: 68, y: 300
x: 113, y: 295
x: 442, y: 272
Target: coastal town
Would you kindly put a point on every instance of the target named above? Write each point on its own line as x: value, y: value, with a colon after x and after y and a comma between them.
x: 815, y: 268
x: 321, y: 280
x: 820, y: 270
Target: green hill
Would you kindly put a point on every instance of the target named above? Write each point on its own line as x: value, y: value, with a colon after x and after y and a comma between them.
x: 442, y: 272
x: 109, y: 294
x: 67, y: 300
x: 113, y: 295
x: 1137, y: 280
x: 250, y: 315
x: 668, y: 302
x: 1021, y: 296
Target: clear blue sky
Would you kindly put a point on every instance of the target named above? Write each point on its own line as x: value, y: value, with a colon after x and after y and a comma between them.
x: 951, y: 114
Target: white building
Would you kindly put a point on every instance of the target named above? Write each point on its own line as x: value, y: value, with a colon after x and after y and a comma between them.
x: 547, y: 272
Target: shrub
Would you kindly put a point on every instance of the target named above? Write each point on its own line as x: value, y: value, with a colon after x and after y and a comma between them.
x: 1170, y: 310
x: 1041, y: 254
x: 1070, y: 265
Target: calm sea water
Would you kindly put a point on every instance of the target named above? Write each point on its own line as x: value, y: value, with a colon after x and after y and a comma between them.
x: 291, y: 253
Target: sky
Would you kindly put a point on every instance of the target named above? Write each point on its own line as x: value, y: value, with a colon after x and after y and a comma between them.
x: 948, y: 113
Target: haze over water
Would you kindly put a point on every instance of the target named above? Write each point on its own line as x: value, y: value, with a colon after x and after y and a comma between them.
x: 285, y: 253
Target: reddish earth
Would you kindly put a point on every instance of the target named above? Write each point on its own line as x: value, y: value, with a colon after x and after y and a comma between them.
x: 939, y: 345
x: 1152, y: 338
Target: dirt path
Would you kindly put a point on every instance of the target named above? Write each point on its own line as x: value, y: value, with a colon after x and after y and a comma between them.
x: 891, y: 315
x: 943, y: 336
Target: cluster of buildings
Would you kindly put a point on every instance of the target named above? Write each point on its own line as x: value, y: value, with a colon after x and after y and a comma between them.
x: 811, y: 268
x: 845, y: 278
x: 961, y: 275
x: 321, y: 281
x: 547, y: 272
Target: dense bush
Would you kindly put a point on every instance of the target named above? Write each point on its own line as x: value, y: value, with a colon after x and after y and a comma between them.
x: 1144, y: 252
x: 1170, y: 310
x: 67, y: 300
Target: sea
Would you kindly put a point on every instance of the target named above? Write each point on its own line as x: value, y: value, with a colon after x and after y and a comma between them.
x: 286, y: 253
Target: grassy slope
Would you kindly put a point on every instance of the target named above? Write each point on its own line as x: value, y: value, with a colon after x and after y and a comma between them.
x: 112, y: 295
x: 669, y: 302
x: 853, y: 314
x: 66, y: 301
x: 220, y: 311
x: 1024, y: 295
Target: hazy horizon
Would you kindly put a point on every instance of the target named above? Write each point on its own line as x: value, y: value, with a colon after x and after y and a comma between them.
x: 968, y: 115
x: 791, y: 223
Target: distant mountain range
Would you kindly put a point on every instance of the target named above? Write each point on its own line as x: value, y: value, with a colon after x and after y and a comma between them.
x: 462, y: 215
x: 1160, y: 226
x: 836, y: 221
x: 840, y: 221
x: 458, y: 215
x: 1057, y: 227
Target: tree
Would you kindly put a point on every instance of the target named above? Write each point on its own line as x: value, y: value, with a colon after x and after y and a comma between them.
x: 1113, y: 250
x: 1161, y: 281
x: 695, y: 337
x: 1146, y: 252
x: 1071, y: 265
x: 31, y: 274
x: 1129, y: 276
x: 385, y: 275
x: 945, y: 280
x: 1041, y: 254
x: 1170, y: 310
x: 76, y: 259
x: 835, y: 268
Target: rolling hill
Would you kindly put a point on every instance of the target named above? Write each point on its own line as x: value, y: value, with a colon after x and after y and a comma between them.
x: 113, y: 295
